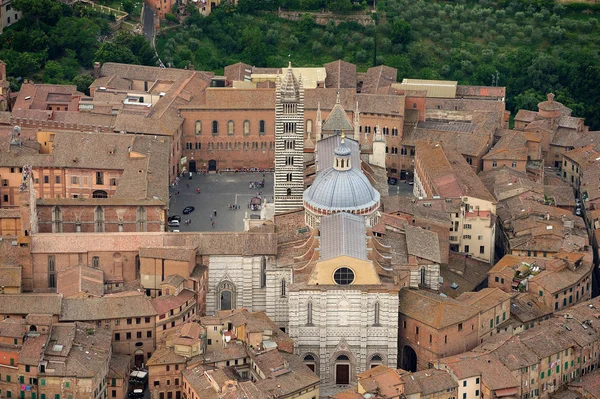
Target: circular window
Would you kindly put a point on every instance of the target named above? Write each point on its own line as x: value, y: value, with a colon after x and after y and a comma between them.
x: 343, y: 276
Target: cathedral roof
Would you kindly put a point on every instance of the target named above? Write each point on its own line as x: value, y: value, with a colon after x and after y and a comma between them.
x: 343, y: 234
x: 326, y: 151
x: 337, y: 119
x: 341, y: 190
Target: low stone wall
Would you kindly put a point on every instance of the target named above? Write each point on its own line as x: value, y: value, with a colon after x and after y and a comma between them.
x: 323, y: 18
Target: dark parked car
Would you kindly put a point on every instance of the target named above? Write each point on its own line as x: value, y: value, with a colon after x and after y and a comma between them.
x: 188, y: 209
x: 392, y: 180
x: 136, y: 393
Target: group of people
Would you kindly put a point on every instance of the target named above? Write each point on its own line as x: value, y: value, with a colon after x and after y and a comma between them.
x: 211, y: 217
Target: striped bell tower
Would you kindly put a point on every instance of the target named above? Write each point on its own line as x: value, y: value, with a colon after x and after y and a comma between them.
x: 289, y: 143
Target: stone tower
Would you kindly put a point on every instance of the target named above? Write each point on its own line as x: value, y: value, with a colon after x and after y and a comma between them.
x: 289, y: 143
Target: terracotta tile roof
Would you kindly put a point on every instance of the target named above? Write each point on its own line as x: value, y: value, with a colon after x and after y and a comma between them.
x: 32, y: 351
x: 165, y: 355
x: 228, y: 98
x: 524, y: 115
x: 340, y: 74
x: 107, y: 307
x: 231, y: 351
x: 281, y: 382
x: 12, y: 328
x: 510, y: 350
x: 169, y: 252
x: 466, y: 273
x: 432, y: 309
x: 242, y: 243
x: 468, y: 144
x: 512, y: 146
x: 238, y: 71
x: 428, y: 382
x: 163, y: 304
x: 90, y: 357
x: 80, y: 279
x: 585, y: 156
x: 526, y: 307
x: 485, y: 299
x: 449, y: 173
x: 119, y: 365
x: 378, y: 78
x: 174, y: 279
x: 24, y: 304
x: 423, y: 243
x: 40, y: 95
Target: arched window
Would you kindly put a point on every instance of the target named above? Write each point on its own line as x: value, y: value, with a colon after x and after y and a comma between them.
x: 198, y: 127
x: 376, y: 316
x: 311, y: 362
x: 99, y: 220
x: 309, y: 314
x: 422, y: 276
x: 289, y: 192
x: 99, y: 194
x: 56, y: 220
x: 141, y: 218
x: 376, y: 360
x: 230, y: 128
x: 263, y: 272
x: 309, y: 126
x: 261, y: 127
x: 215, y: 128
x: 246, y: 127
x: 283, y: 287
x: 342, y: 358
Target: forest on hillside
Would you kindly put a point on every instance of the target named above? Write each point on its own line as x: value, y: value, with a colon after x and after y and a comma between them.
x: 530, y: 46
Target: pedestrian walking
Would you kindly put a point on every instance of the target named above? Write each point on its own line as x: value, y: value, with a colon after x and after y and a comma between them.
x: 211, y: 218
x: 213, y: 224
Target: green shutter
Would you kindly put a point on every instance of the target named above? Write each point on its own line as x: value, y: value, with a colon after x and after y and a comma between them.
x: 491, y: 323
x: 566, y: 365
x: 543, y: 374
x: 43, y: 382
x: 558, y: 369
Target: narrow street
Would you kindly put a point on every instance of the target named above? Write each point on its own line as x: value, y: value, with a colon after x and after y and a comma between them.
x: 148, y: 16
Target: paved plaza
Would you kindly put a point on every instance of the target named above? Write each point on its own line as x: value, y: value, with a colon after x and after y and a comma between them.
x: 217, y: 191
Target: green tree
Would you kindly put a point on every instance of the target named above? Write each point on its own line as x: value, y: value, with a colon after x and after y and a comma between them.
x: 38, y: 9
x: 83, y: 82
x: 400, y: 32
x: 128, y: 6
x: 112, y: 52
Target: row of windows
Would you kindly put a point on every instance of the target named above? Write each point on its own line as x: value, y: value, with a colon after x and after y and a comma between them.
x: 255, y: 145
x: 215, y: 128
x: 403, y: 151
x: 495, y: 164
x: 138, y: 334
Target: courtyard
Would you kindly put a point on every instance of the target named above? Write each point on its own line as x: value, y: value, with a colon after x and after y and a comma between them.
x: 217, y: 192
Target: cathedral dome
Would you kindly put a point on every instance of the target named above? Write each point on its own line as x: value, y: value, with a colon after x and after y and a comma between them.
x: 341, y: 190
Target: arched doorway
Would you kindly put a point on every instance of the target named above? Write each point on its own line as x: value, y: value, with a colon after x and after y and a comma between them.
x: 212, y: 165
x: 225, y: 300
x: 139, y: 358
x: 226, y: 296
x: 342, y: 370
x: 33, y: 328
x: 192, y: 166
x: 409, y: 359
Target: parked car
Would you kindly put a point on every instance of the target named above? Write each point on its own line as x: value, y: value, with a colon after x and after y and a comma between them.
x: 578, y: 211
x: 174, y: 223
x: 392, y: 181
x: 175, y: 217
x: 188, y: 209
x: 136, y: 393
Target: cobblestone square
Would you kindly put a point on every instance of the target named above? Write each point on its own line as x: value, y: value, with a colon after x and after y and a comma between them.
x: 217, y: 192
